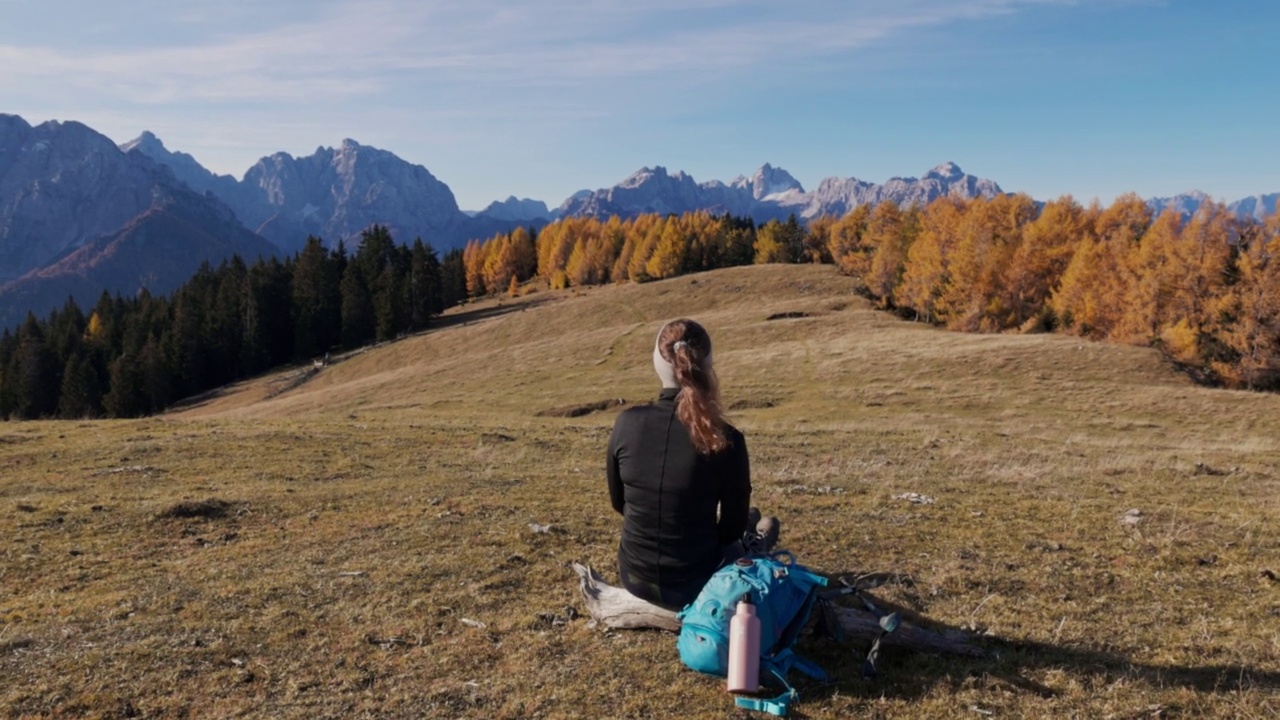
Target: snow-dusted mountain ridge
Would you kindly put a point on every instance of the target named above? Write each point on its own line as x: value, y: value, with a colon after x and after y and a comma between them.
x: 769, y: 193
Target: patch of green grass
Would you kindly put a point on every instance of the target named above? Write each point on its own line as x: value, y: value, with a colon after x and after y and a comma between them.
x: 360, y: 545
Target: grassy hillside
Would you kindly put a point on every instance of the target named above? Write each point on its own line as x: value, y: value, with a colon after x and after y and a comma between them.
x: 356, y: 542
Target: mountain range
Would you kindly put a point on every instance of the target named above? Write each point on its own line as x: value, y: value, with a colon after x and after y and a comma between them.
x: 79, y: 214
x: 1256, y: 207
x: 770, y: 194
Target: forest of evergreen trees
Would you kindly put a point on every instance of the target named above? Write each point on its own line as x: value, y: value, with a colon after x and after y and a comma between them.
x: 1205, y: 291
x: 134, y: 356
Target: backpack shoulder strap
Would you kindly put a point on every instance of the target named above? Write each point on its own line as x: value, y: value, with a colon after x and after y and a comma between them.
x: 778, y: 706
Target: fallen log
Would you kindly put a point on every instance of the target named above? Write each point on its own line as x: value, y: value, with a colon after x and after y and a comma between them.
x: 616, y: 608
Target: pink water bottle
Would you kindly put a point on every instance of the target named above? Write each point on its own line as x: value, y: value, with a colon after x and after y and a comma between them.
x: 744, y: 648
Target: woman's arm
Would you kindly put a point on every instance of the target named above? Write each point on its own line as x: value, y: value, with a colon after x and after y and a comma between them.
x: 616, y: 495
x: 735, y: 492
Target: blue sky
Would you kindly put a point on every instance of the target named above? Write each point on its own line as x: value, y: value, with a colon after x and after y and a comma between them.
x: 539, y: 99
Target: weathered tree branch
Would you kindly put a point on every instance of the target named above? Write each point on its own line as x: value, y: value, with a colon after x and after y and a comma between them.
x: 863, y: 626
x: 614, y: 607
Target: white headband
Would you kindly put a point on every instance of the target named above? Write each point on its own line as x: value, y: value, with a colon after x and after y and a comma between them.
x: 666, y: 371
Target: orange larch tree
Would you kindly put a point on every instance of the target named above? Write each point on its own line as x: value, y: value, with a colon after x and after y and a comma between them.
x: 889, y: 235
x: 1152, y: 278
x: 845, y: 245
x: 1036, y: 268
x: 924, y: 276
x: 1252, y: 307
x: 1203, y: 258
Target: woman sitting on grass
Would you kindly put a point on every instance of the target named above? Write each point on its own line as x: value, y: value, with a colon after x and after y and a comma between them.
x: 671, y: 466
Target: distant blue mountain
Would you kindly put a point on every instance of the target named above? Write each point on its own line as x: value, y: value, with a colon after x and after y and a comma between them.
x: 1256, y: 207
x: 78, y: 213
x: 79, y: 216
x: 770, y: 193
x: 333, y: 194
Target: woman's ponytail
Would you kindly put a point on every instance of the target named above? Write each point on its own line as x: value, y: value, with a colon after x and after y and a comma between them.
x: 687, y: 346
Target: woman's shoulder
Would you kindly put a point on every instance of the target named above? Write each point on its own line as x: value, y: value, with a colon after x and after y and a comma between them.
x: 734, y: 435
x: 635, y: 413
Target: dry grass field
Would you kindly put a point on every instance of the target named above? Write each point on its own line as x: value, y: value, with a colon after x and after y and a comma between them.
x: 358, y: 542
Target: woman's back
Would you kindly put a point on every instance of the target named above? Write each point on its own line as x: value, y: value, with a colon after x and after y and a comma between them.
x: 679, y: 475
x: 669, y: 495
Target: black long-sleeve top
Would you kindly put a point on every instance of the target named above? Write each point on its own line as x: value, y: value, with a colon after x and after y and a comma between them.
x: 668, y: 495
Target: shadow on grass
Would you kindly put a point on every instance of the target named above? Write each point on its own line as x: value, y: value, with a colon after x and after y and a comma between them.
x: 910, y: 675
x: 471, y: 316
x: 306, y: 371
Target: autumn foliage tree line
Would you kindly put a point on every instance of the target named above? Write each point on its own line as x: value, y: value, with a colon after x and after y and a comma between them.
x: 1205, y: 290
x: 133, y: 356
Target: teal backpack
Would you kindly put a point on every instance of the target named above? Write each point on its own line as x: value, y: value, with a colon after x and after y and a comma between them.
x: 784, y: 594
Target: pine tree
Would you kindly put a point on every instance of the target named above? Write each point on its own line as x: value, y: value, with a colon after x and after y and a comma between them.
x: 76, y: 399
x: 37, y: 375
x: 389, y: 304
x: 191, y: 335
x: 155, y: 375
x: 273, y: 293
x: 358, y: 325
x: 317, y: 301
x: 8, y: 374
x: 739, y: 238
x: 453, y: 279
x: 65, y: 330
x: 254, y: 356
x: 127, y: 397
x: 226, y: 322
x: 425, y: 291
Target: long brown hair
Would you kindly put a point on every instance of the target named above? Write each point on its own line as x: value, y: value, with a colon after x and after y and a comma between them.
x: 687, y: 346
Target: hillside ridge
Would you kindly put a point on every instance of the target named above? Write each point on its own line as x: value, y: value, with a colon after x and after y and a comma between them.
x: 553, y: 349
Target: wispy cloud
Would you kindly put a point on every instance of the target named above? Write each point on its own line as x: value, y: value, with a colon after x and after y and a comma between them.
x: 352, y: 49
x: 464, y: 87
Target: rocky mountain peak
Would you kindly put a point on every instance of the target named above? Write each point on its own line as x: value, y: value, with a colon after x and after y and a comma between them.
x: 147, y: 143
x: 13, y: 123
x: 64, y: 187
x: 643, y: 175
x: 515, y: 209
x: 767, y: 181
x: 947, y: 171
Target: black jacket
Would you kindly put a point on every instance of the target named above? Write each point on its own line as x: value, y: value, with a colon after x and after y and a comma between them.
x: 668, y: 495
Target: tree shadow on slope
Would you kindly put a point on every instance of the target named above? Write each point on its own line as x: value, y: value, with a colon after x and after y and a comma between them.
x: 468, y: 317
x: 300, y: 373
x: 1010, y: 662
